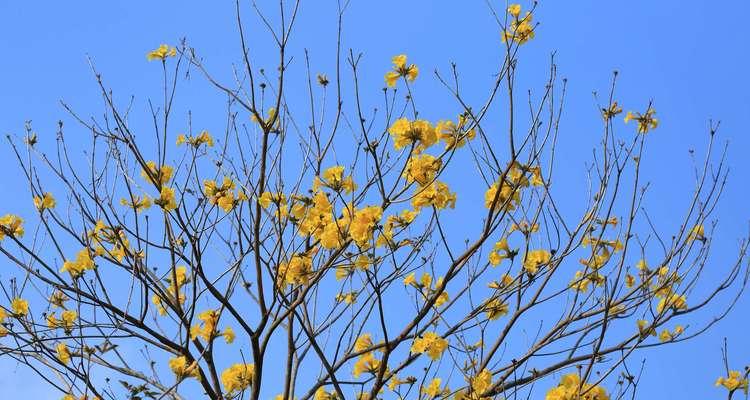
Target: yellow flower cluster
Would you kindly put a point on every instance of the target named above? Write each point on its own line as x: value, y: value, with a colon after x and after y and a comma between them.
x: 237, y: 378
x: 433, y: 389
x: 477, y: 386
x: 206, y: 330
x: 437, y: 194
x: 400, y: 68
x: 11, y: 225
x: 521, y: 29
x: 296, y: 271
x: 66, y: 321
x: 184, y: 369
x: 500, y: 251
x: 173, y: 290
x: 19, y: 306
x: 506, y: 193
x: 646, y: 121
x: 44, y: 202
x: 82, y: 263
x: 63, y: 353
x: 333, y: 178
x: 161, y: 53
x: 535, y: 259
x: 430, y: 343
x: 158, y: 176
x: 495, y: 308
x: 367, y: 363
x: 697, y: 233
x: 418, y: 133
x: 735, y: 380
x: 102, y: 234
x: 203, y: 138
x: 3, y: 317
x: 422, y: 169
x: 570, y: 388
x: 223, y: 195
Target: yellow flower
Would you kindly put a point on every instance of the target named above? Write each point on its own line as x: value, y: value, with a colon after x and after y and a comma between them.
x: 366, y: 363
x: 166, y: 199
x: 400, y: 69
x: 138, y: 203
x: 536, y: 258
x: 733, y: 381
x: 455, y: 135
x: 296, y: 271
x: 77, y: 267
x: 646, y: 121
x: 665, y: 335
x: 155, y: 175
x: 228, y: 335
x: 521, y: 29
x: 437, y: 194
x: 506, y: 200
x: 182, y: 369
x: 422, y: 169
x: 629, y: 281
x: 514, y: 10
x: 672, y: 300
x: 571, y: 388
x: 430, y: 343
x: 11, y: 225
x: 238, y: 377
x: 19, y: 306
x: 207, y: 330
x: 363, y: 342
x: 433, y: 389
x: 347, y: 298
x: 495, y: 309
x: 203, y: 138
x: 495, y: 255
x: 63, y: 354
x: 45, y: 202
x: 222, y: 195
x: 608, y: 114
x: 697, y: 233
x: 419, y: 133
x: 161, y: 53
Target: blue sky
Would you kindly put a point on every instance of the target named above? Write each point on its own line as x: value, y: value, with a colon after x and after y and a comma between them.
x: 689, y: 58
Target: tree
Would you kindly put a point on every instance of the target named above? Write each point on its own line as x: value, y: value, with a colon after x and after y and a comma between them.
x: 319, y: 262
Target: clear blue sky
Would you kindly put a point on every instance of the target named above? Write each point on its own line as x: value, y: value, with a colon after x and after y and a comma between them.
x: 690, y: 57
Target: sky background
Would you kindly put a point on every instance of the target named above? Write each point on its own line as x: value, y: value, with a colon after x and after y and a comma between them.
x: 691, y: 58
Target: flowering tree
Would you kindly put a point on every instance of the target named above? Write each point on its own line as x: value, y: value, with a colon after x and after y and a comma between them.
x: 270, y: 260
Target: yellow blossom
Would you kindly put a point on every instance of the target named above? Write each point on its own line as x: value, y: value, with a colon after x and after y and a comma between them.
x: 11, y: 225
x: 534, y: 259
x: 44, y: 202
x: 238, y: 377
x: 735, y: 380
x: 182, y: 368
x: 400, y: 69
x: 63, y: 354
x: 161, y: 53
x: 431, y: 344
x: 19, y: 306
x: 646, y: 121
